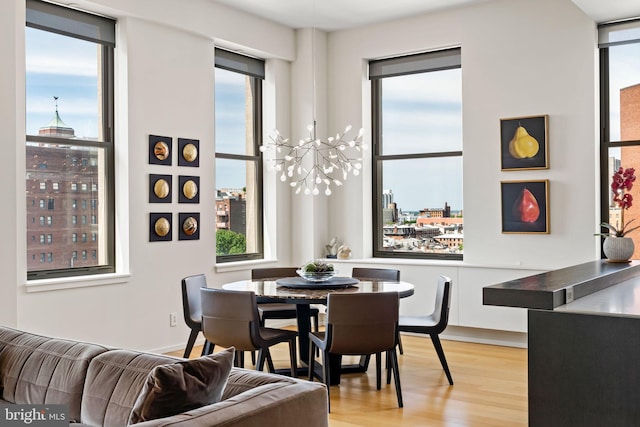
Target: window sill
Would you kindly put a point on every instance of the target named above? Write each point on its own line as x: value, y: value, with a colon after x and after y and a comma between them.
x: 225, y: 267
x: 433, y: 262
x: 43, y: 285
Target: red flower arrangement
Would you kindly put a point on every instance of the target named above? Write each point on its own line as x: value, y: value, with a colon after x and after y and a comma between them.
x: 621, y: 183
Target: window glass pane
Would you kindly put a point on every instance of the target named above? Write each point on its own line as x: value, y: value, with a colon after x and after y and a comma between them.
x: 625, y: 157
x: 624, y: 92
x: 422, y: 113
x: 236, y: 207
x: 422, y: 216
x: 419, y: 196
x: 64, y: 227
x: 69, y: 99
x: 234, y: 113
x: 65, y: 68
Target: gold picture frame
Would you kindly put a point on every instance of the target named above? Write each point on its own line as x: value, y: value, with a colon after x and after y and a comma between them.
x: 524, y: 143
x: 525, y: 206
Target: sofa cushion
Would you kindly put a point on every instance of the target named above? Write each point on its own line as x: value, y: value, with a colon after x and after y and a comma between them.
x: 44, y: 371
x: 114, y: 381
x: 182, y: 386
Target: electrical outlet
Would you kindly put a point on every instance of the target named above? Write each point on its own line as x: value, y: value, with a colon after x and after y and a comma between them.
x: 173, y: 319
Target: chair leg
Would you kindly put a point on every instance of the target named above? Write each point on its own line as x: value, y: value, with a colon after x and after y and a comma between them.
x: 326, y: 376
x: 253, y: 358
x: 237, y: 359
x: 389, y: 368
x: 207, y: 348
x: 270, y: 366
x: 312, y: 360
x: 192, y: 339
x: 316, y: 328
x: 260, y: 362
x: 400, y: 344
x: 294, y: 358
x: 435, y: 339
x: 240, y: 355
x: 378, y: 371
x: 396, y: 374
x: 365, y: 361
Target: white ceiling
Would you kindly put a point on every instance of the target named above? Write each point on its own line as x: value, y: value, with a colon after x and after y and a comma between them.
x: 609, y: 10
x: 331, y: 15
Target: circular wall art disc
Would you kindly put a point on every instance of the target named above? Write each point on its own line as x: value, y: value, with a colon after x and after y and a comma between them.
x: 190, y: 226
x: 162, y: 227
x: 190, y: 152
x: 161, y: 150
x: 190, y: 189
x: 161, y: 188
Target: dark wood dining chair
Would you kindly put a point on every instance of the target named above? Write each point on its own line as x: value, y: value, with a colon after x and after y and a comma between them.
x: 230, y: 319
x: 191, y: 309
x: 375, y: 273
x: 279, y: 310
x: 433, y: 324
x: 357, y: 324
x: 378, y: 274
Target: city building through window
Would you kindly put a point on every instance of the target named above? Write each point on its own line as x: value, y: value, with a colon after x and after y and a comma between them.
x: 238, y: 167
x: 620, y: 118
x: 69, y: 66
x: 417, y: 155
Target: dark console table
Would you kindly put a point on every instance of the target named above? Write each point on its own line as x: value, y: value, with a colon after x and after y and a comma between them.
x: 584, y: 343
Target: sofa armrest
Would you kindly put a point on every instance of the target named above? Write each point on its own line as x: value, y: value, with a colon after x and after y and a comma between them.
x: 288, y: 403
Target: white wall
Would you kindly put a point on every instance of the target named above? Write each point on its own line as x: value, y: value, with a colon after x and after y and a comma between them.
x: 11, y: 134
x: 165, y: 86
x: 520, y: 57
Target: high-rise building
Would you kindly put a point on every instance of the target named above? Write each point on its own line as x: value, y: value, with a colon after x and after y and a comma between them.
x: 630, y: 156
x: 62, y: 201
x: 387, y: 198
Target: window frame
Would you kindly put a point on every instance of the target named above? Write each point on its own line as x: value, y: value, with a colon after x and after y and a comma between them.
x: 254, y: 69
x: 605, y: 42
x: 439, y: 60
x: 100, y: 30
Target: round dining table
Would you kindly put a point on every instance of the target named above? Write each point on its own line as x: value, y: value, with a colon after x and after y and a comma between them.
x: 298, y: 291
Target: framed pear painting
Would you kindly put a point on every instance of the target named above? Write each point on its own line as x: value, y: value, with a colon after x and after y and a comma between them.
x: 525, y: 206
x: 524, y: 143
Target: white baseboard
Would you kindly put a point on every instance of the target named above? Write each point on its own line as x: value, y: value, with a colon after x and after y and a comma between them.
x: 453, y: 333
x: 485, y: 336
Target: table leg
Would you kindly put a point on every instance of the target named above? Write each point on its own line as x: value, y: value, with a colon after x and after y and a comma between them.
x: 304, y: 327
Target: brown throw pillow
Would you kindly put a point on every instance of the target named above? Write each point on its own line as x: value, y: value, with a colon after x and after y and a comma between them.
x: 179, y: 387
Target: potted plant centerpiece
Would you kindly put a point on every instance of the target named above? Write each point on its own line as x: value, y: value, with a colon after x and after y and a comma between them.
x: 617, y: 247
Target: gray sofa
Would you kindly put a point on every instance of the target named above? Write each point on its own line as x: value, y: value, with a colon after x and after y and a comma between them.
x: 100, y: 385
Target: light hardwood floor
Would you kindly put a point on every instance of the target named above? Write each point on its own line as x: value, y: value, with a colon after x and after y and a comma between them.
x: 490, y: 388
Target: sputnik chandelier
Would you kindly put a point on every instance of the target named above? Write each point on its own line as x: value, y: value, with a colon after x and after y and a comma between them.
x: 329, y: 162
x: 313, y: 163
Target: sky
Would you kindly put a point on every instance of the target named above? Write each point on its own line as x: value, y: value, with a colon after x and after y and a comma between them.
x: 421, y: 113
x: 624, y: 71
x: 63, y: 67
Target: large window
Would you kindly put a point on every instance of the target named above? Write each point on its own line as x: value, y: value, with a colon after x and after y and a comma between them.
x: 417, y: 155
x: 69, y: 137
x: 620, y: 117
x: 238, y: 167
